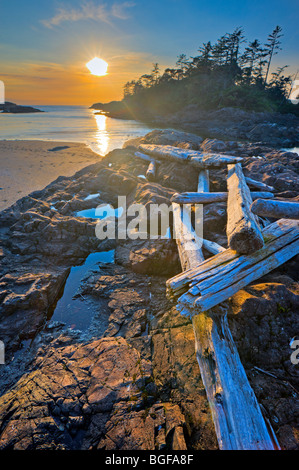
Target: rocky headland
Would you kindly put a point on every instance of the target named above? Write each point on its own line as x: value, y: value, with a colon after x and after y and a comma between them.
x: 274, y: 129
x: 14, y: 108
x: 129, y: 379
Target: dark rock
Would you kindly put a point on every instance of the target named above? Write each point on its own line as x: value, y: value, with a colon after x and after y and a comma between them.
x: 8, y: 107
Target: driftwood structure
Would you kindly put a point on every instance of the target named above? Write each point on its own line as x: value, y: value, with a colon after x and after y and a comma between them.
x: 204, y: 285
x: 243, y: 230
x: 208, y: 198
x: 276, y: 209
x: 238, y: 420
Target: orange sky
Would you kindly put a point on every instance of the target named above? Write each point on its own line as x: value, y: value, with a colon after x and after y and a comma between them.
x: 52, y: 83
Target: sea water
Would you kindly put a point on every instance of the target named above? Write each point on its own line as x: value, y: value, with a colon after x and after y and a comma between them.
x: 71, y: 124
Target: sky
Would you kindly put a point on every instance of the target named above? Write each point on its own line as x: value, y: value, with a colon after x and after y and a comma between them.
x: 45, y: 44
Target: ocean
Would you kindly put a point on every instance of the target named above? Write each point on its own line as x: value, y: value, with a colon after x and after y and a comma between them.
x: 71, y: 124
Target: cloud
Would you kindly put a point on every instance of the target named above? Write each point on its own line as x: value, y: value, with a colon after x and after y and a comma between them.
x: 89, y: 11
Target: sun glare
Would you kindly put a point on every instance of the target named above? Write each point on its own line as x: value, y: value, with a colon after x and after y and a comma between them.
x: 97, y: 66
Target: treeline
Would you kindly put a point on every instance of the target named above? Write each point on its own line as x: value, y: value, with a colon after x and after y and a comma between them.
x: 232, y: 72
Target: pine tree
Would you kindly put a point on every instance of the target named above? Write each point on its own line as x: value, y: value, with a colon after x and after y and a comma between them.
x: 253, y: 60
x: 273, y: 46
x: 155, y: 72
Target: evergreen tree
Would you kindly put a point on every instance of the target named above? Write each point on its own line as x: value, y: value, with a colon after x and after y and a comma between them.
x: 272, y: 46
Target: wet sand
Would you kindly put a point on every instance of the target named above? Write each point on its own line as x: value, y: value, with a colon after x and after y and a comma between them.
x: 29, y: 165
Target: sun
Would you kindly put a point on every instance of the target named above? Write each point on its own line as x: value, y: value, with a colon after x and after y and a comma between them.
x: 97, y: 66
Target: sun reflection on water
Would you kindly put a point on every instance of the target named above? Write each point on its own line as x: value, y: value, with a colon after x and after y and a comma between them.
x: 102, y: 136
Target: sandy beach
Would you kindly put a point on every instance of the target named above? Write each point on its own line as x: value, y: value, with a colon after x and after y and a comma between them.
x: 29, y: 165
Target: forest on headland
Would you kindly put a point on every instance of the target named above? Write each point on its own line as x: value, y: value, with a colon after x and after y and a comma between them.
x: 232, y: 72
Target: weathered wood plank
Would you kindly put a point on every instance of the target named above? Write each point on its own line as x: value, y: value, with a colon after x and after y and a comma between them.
x: 276, y: 209
x: 218, y: 280
x: 243, y: 230
x: 203, y: 184
x: 151, y: 171
x: 259, y: 185
x: 195, y: 158
x: 208, y: 198
x: 237, y: 417
x: 188, y: 243
x: 271, y: 232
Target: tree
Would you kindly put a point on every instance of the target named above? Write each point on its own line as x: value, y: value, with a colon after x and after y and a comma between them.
x: 279, y: 83
x: 252, y: 60
x: 273, y: 46
x: 183, y: 64
x: 155, y: 72
x: 233, y: 42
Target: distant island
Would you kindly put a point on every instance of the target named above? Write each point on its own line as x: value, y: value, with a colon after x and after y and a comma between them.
x: 226, y: 91
x: 14, y: 108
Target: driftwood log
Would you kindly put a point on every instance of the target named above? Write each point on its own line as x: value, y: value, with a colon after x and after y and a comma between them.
x: 276, y: 209
x: 195, y: 158
x: 237, y: 417
x: 145, y: 157
x: 243, y: 230
x: 188, y: 243
x: 151, y: 171
x: 208, y: 198
x: 218, y: 278
x: 259, y: 185
x: 212, y: 247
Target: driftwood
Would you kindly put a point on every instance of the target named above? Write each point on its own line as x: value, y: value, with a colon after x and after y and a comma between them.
x: 203, y: 184
x: 259, y: 185
x: 276, y: 209
x: 208, y: 198
x: 212, y: 247
x: 151, y: 171
x: 195, y: 158
x: 188, y: 243
x: 243, y: 231
x: 218, y: 278
x: 145, y: 157
x: 238, y: 420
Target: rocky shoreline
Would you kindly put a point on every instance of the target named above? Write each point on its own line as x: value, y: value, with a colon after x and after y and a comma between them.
x: 130, y: 379
x: 273, y: 129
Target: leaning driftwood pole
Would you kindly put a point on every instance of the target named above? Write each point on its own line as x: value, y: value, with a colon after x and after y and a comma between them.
x: 208, y: 198
x: 243, y: 231
x: 193, y: 157
x: 151, y: 171
x: 276, y: 209
x: 238, y: 421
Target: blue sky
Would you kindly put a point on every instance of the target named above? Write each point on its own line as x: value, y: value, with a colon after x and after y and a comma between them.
x: 44, y: 45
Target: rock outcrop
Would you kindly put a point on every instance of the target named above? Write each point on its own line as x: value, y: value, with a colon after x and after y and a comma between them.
x: 13, y: 108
